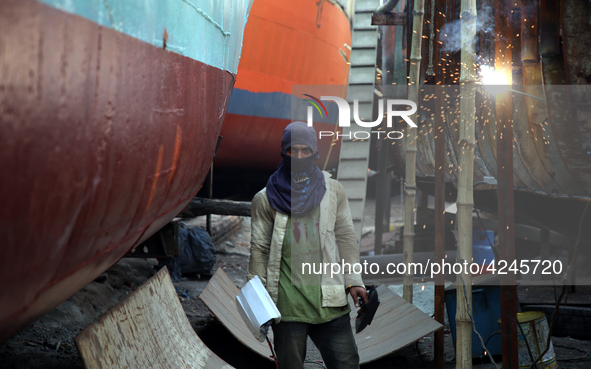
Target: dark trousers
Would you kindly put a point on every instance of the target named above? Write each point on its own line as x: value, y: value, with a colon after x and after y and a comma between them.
x: 334, y: 339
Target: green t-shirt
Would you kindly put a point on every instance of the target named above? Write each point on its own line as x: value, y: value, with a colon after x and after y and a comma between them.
x: 300, y: 294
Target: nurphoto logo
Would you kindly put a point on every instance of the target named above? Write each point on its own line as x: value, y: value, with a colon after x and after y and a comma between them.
x: 345, y: 117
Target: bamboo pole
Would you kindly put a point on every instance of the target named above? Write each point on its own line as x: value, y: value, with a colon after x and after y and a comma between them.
x: 465, y: 200
x: 410, y: 186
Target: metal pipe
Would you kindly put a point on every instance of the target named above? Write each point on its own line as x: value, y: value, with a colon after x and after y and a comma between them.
x: 553, y: 67
x: 439, y: 354
x: 387, y: 7
x: 504, y: 111
x: 529, y: 32
x: 209, y: 181
x: 381, y: 197
x: 506, y: 229
x: 523, y: 93
x: 410, y: 186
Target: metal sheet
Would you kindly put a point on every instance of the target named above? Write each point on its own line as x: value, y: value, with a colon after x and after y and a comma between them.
x: 149, y: 329
x: 395, y: 325
x: 218, y: 22
x: 105, y: 138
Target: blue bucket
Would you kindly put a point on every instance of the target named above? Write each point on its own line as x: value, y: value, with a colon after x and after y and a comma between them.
x: 482, y: 253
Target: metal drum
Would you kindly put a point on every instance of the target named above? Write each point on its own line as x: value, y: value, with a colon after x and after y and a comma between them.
x: 532, y: 335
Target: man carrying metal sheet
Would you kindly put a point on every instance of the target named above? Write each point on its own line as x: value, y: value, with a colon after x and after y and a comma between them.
x: 303, y: 248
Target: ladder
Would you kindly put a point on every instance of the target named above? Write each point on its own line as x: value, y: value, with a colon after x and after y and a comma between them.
x: 354, y: 156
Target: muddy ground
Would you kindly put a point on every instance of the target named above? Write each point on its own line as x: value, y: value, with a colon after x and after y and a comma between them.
x: 48, y: 342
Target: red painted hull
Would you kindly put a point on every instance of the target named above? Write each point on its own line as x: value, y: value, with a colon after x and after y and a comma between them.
x: 104, y: 140
x: 261, y: 150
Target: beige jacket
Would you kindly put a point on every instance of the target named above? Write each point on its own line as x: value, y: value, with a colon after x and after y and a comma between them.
x: 337, y: 242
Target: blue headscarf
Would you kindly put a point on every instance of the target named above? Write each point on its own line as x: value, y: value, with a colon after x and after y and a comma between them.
x: 298, y: 185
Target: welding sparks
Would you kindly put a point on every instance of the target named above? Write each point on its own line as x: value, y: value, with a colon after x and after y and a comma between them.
x: 494, y: 81
x: 490, y: 76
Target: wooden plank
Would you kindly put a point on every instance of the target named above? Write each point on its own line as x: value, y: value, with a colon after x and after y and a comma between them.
x: 388, y: 19
x: 396, y: 323
x: 149, y: 329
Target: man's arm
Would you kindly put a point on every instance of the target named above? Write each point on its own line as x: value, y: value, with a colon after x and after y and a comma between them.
x: 262, y: 220
x: 347, y: 244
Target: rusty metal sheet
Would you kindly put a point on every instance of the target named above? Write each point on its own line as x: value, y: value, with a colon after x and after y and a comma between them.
x: 543, y: 167
x: 523, y: 157
x: 565, y: 127
x: 483, y: 140
x: 576, y: 35
x: 105, y: 138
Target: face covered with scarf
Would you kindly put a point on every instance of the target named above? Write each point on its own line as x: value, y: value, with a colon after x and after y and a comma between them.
x: 298, y: 185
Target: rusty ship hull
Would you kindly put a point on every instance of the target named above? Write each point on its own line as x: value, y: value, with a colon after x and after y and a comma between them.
x: 107, y: 133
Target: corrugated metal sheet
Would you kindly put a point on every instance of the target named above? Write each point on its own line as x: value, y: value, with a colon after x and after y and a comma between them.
x: 552, y: 138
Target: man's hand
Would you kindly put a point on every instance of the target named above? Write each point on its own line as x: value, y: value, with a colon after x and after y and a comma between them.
x: 357, y: 292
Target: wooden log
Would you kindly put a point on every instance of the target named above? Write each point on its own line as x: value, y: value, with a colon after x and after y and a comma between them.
x: 388, y: 19
x: 200, y: 206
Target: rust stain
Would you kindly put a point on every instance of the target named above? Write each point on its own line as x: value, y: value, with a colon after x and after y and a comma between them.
x: 160, y: 174
x: 177, y: 149
x: 156, y: 176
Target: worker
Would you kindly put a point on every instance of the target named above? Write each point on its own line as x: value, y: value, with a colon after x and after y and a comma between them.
x: 301, y: 231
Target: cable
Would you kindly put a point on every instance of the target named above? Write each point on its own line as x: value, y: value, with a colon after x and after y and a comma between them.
x: 570, y: 348
x: 564, y: 280
x: 419, y: 352
x: 273, y: 353
x: 492, y: 247
x: 474, y: 325
x: 531, y: 355
x: 584, y: 357
x: 470, y: 315
x: 489, y: 337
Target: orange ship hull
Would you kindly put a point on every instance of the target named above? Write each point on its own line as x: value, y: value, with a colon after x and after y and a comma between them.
x: 285, y: 44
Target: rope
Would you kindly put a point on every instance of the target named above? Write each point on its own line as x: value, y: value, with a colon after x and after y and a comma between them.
x: 430, y: 71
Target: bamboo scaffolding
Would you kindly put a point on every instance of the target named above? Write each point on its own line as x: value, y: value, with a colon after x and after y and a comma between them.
x: 465, y: 199
x: 410, y: 186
